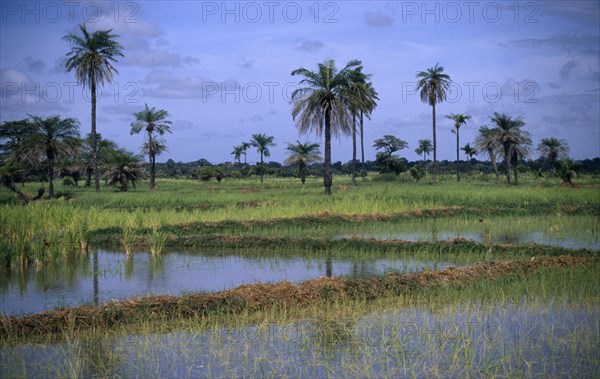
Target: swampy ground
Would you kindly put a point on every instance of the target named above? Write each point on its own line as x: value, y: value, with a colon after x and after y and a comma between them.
x: 385, y: 279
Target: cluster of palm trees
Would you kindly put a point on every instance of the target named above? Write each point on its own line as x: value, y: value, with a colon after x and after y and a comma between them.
x: 261, y: 142
x: 329, y: 102
x: 300, y: 155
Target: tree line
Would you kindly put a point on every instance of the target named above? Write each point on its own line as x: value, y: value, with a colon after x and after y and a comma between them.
x: 328, y: 102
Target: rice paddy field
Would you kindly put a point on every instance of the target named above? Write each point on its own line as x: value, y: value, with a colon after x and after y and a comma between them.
x: 239, y: 279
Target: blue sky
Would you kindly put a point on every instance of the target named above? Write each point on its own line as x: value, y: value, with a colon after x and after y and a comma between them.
x: 222, y: 69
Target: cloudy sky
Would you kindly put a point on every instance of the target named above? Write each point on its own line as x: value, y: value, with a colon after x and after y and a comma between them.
x: 222, y: 69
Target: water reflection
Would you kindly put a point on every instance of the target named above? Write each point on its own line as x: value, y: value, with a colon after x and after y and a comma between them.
x: 573, y: 232
x: 100, y: 276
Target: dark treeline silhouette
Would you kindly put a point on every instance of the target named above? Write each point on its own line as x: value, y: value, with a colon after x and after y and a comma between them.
x: 193, y: 170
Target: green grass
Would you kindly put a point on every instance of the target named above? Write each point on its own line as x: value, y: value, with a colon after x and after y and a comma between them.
x: 49, y: 229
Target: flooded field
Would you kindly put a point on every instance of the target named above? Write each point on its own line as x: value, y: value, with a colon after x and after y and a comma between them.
x: 480, y: 331
x: 101, y: 276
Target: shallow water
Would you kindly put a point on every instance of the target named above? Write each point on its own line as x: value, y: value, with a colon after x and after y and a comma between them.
x: 573, y: 232
x: 104, y: 275
x: 530, y: 339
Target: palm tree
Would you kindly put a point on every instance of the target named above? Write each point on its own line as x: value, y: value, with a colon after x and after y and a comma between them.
x: 360, y: 98
x: 553, y: 148
x: 425, y: 148
x: 370, y: 103
x: 486, y: 142
x: 50, y: 140
x: 124, y: 168
x: 262, y: 142
x: 319, y: 105
x: 513, y: 141
x: 153, y: 121
x: 434, y: 86
x: 303, y: 154
x: 469, y: 152
x: 459, y: 119
x: 237, y: 152
x: 91, y: 57
x: 245, y: 147
x: 13, y: 166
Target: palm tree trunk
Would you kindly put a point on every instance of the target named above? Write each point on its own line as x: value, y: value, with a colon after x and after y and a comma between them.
x: 507, y: 163
x: 50, y: 178
x: 494, y: 164
x: 95, y: 135
x: 363, y: 173
x: 302, y: 169
x: 457, y: 155
x: 262, y: 168
x: 327, y: 174
x: 353, y: 149
x: 152, y: 165
x: 434, y: 167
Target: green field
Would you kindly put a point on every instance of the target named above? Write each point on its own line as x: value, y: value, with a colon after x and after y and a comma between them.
x: 539, y: 321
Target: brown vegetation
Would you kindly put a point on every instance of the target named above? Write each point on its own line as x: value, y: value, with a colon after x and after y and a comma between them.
x: 262, y: 296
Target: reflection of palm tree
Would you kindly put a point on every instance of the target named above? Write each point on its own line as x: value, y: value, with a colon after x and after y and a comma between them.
x: 328, y: 266
x: 129, y: 266
x: 95, y: 277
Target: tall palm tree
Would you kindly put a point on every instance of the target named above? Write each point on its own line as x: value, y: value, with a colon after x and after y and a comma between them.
x: 433, y: 86
x: 319, y: 105
x: 459, y: 119
x: 425, y: 148
x: 486, y: 142
x: 303, y: 154
x: 370, y: 103
x: 91, y: 56
x: 51, y: 139
x: 262, y: 142
x: 152, y: 121
x: 513, y: 141
x: 360, y: 98
x: 553, y: 148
